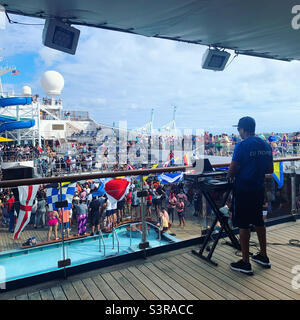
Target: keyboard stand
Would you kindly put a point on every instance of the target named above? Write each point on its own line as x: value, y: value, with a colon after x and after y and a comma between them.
x: 206, y: 188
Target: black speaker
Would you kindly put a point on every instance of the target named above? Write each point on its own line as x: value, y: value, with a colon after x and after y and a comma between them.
x: 17, y: 173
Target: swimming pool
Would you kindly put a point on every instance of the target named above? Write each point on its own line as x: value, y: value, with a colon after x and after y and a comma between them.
x: 22, y: 263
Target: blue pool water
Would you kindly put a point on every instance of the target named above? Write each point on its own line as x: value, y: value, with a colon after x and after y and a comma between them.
x: 23, y: 263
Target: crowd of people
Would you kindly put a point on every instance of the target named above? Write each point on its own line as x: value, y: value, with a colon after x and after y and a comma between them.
x: 164, y: 203
x: 19, y: 153
x: 82, y: 156
x: 90, y: 213
x: 281, y: 144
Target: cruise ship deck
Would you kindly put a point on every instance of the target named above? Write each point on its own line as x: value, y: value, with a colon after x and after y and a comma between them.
x: 180, y: 275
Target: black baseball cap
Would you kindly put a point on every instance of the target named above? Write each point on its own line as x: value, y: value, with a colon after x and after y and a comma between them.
x: 247, y: 123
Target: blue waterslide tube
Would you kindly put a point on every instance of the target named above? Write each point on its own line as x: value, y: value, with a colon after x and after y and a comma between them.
x: 11, y: 124
x: 15, y: 101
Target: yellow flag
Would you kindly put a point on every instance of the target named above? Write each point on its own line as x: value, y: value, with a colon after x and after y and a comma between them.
x: 153, y: 167
x: 278, y: 173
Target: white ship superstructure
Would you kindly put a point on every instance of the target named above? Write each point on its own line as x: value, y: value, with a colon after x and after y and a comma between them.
x: 50, y: 122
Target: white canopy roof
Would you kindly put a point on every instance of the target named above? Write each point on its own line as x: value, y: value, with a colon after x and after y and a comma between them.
x: 254, y: 27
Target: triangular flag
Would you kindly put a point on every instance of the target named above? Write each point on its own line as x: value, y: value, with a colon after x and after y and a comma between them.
x: 278, y: 173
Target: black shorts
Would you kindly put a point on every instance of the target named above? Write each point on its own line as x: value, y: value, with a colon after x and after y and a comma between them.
x: 110, y: 212
x: 157, y: 202
x: 120, y: 205
x: 248, y: 208
x: 95, y: 216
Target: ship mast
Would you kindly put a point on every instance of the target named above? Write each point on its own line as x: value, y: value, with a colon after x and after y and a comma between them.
x: 4, y: 70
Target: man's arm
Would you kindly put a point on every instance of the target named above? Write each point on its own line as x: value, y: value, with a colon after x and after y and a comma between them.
x: 234, y: 165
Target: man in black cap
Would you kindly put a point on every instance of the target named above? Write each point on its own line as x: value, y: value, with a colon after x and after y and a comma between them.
x: 251, y: 160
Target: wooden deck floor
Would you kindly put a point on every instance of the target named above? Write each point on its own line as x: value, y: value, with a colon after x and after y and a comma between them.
x: 180, y: 275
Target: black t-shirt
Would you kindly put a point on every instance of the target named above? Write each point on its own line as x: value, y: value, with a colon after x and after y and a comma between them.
x: 94, y: 205
x: 160, y: 190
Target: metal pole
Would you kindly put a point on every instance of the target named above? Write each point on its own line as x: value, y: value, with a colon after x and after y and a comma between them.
x: 39, y: 123
x: 101, y: 238
x: 62, y: 230
x: 18, y: 119
x: 293, y: 190
x: 144, y: 224
x: 118, y: 243
x: 130, y: 235
x: 99, y: 242
x: 1, y: 88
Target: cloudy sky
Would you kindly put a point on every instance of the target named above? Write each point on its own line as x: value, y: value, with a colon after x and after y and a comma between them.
x: 118, y: 76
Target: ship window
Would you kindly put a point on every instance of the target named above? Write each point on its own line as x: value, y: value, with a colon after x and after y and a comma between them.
x: 58, y: 127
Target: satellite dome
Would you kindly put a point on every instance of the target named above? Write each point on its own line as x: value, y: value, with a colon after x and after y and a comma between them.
x: 52, y: 82
x: 26, y: 91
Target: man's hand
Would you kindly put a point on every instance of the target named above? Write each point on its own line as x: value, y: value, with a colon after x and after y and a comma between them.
x: 230, y: 179
x: 232, y: 171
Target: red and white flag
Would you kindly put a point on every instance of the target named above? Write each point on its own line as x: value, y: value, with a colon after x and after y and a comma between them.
x: 26, y: 196
x: 130, y: 167
x: 116, y: 189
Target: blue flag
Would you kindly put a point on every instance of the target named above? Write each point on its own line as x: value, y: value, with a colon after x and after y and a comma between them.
x: 53, y: 194
x: 278, y: 173
x: 172, y: 177
x: 100, y: 191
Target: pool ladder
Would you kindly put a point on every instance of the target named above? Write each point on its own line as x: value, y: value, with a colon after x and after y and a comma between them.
x: 114, y: 235
x: 101, y: 239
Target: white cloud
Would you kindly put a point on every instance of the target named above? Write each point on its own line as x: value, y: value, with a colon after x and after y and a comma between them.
x: 50, y: 56
x: 116, y: 75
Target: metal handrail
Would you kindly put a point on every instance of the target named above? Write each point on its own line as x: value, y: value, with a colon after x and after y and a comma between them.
x: 155, y: 226
x: 114, y: 232
x: 96, y: 175
x: 149, y: 223
x: 133, y: 225
x: 101, y: 237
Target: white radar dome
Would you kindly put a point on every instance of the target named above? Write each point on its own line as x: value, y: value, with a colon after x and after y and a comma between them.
x: 26, y: 91
x: 52, y: 82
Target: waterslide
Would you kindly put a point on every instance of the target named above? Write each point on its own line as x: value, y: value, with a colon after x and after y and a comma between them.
x: 11, y: 123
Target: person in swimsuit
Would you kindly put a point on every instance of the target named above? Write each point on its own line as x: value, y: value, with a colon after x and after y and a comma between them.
x: 149, y: 204
x: 172, y: 201
x: 180, y: 212
x: 53, y: 219
x: 163, y: 223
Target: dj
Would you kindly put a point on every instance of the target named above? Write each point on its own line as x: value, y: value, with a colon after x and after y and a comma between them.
x: 252, y: 159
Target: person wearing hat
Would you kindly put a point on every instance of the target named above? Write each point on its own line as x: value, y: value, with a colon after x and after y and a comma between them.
x: 251, y: 160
